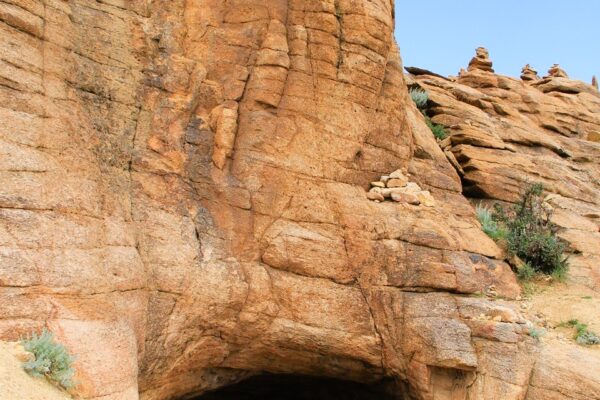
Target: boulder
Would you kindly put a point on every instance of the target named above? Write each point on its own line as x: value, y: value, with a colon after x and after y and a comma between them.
x: 397, y: 182
x: 375, y: 196
x: 408, y: 198
x: 426, y: 199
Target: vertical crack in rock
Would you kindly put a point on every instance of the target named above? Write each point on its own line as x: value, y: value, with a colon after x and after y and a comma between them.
x: 183, y: 193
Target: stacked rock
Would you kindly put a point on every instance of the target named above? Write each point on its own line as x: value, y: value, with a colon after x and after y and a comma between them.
x: 595, y: 82
x: 397, y: 187
x: 556, y: 71
x: 529, y: 74
x: 481, y: 61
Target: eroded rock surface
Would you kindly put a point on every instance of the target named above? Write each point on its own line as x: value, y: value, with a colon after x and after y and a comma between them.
x: 506, y: 133
x: 183, y: 200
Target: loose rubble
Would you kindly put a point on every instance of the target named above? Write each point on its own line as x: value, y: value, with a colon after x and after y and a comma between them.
x: 397, y: 187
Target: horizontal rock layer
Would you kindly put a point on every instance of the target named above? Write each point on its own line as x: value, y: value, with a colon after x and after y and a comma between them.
x: 506, y: 133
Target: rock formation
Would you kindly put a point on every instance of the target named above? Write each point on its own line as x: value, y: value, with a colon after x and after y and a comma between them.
x: 481, y: 61
x: 505, y: 133
x: 529, y: 74
x: 594, y: 82
x: 183, y: 201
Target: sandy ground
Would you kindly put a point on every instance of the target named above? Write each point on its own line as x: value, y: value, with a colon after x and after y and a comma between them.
x: 550, y: 304
x: 16, y: 384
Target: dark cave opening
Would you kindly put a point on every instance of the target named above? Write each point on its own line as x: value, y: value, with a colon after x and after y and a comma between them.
x: 299, y: 387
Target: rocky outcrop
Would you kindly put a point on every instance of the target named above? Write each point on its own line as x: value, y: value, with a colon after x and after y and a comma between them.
x: 505, y: 133
x: 183, y: 201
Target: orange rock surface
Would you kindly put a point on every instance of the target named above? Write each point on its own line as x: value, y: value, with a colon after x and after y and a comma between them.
x: 183, y: 200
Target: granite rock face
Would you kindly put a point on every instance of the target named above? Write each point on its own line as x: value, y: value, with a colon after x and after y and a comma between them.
x: 506, y: 133
x: 183, y: 202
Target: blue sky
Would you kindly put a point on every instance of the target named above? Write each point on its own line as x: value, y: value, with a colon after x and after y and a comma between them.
x: 441, y: 35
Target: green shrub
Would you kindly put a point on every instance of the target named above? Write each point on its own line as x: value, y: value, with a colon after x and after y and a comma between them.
x: 582, y: 335
x: 438, y: 130
x: 420, y: 97
x: 51, y: 359
x: 531, y: 236
x: 525, y: 272
x: 488, y: 224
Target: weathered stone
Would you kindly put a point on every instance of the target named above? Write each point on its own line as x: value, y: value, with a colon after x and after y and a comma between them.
x: 412, y: 187
x: 20, y: 353
x: 426, y: 199
x: 397, y: 182
x: 375, y: 196
x: 378, y: 184
x: 564, y: 85
x: 405, y: 198
x: 398, y: 174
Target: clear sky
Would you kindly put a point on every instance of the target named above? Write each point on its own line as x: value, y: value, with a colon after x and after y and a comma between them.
x: 441, y: 35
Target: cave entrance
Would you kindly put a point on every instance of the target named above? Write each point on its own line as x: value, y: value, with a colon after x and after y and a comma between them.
x: 298, y: 387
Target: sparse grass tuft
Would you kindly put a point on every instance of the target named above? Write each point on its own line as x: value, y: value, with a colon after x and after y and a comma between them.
x: 582, y: 336
x: 419, y: 97
x: 438, y: 130
x: 51, y: 359
x: 536, y: 333
x: 488, y: 224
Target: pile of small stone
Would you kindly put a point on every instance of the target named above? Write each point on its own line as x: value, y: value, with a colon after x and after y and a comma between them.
x: 529, y: 74
x: 481, y: 61
x: 556, y: 71
x: 397, y: 187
